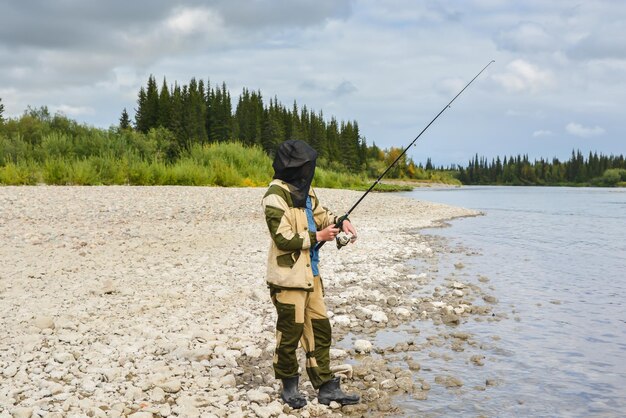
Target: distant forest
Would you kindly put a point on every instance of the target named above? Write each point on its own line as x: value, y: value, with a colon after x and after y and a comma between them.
x: 596, y: 169
x: 190, y: 134
x: 199, y: 113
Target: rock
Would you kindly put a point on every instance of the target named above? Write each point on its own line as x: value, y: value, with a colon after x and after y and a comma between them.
x: 10, y: 371
x: 478, y: 359
x: 157, y: 394
x: 379, y: 317
x: 343, y: 320
x: 22, y: 412
x: 63, y: 357
x: 403, y: 312
x: 141, y: 414
x: 253, y: 352
x: 458, y: 293
x: 342, y: 370
x: 107, y: 287
x: 392, y: 301
x: 228, y: 381
x: 336, y: 353
x: 459, y: 266
x: 450, y: 319
x: 490, y: 299
x: 44, y: 322
x: 420, y: 395
x: 362, y: 346
x: 56, y: 388
x: 371, y: 394
x: 405, y: 384
x: 388, y: 384
x: 171, y: 386
x: 448, y: 381
x: 257, y: 396
x: 413, y: 365
x: 458, y: 285
x: 334, y: 405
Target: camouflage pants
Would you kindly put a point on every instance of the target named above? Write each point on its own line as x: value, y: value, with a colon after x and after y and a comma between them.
x: 302, y: 319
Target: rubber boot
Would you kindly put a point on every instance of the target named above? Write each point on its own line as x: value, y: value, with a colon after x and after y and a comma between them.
x: 331, y: 391
x: 290, y: 395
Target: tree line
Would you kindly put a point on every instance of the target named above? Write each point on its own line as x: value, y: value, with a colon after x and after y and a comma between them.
x: 594, y: 169
x: 198, y: 113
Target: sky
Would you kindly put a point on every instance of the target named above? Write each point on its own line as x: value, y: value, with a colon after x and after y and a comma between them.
x: 558, y: 82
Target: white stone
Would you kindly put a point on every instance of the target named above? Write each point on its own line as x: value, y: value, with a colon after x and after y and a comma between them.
x: 457, y: 292
x: 228, y: 381
x: 63, y: 357
x: 404, y: 312
x: 458, y: 285
x: 379, y: 317
x: 44, y: 322
x: 10, y: 371
x: 171, y: 386
x: 157, y: 394
x: 141, y: 414
x: 362, y: 346
x: 257, y: 396
x: 253, y: 352
x: 343, y: 320
x: 22, y: 412
x: 336, y: 353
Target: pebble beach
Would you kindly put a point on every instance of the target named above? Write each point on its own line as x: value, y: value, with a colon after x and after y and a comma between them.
x: 151, y: 302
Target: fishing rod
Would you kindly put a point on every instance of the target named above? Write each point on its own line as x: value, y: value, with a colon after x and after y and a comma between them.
x: 344, y: 240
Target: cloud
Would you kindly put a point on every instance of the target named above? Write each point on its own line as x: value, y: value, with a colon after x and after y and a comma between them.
x: 604, y: 41
x: 577, y: 129
x: 542, y: 133
x: 73, y: 110
x: 526, y: 37
x: 345, y: 87
x: 524, y: 76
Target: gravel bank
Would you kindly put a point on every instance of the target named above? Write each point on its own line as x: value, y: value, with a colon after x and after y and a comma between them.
x: 150, y: 301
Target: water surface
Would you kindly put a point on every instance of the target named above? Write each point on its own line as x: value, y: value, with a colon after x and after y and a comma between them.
x: 556, y: 259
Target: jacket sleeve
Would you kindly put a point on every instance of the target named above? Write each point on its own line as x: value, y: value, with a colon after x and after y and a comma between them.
x: 323, y: 216
x: 283, y: 233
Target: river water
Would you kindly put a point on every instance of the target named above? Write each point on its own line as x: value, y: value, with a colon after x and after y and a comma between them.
x: 556, y: 260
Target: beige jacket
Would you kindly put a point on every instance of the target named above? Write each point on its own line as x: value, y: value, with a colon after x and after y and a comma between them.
x: 289, y: 258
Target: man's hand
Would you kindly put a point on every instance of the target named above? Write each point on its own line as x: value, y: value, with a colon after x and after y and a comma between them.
x: 327, y: 234
x: 348, y: 228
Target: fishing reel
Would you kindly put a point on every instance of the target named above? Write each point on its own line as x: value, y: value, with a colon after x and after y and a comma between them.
x: 343, y: 239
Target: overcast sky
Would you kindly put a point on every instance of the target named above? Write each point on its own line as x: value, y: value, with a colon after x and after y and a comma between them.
x: 559, y: 80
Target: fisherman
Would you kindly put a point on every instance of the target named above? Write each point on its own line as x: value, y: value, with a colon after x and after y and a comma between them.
x: 296, y: 222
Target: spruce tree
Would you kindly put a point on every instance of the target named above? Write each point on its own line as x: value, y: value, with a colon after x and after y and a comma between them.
x: 141, y: 123
x: 124, y: 120
x: 165, y: 106
x: 1, y: 111
x: 176, y: 120
x: 152, y: 104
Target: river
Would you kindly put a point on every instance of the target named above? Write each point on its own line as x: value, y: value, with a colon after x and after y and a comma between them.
x: 556, y: 261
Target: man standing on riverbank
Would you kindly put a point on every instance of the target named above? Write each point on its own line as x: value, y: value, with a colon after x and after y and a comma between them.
x: 296, y: 222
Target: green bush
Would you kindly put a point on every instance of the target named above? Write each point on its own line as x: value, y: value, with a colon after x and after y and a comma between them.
x: 13, y: 174
x: 56, y: 171
x: 84, y: 173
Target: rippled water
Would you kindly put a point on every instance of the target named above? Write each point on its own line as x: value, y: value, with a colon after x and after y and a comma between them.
x: 556, y: 258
